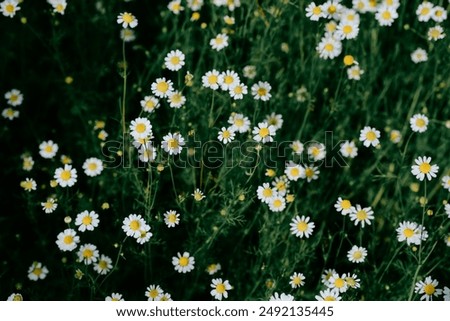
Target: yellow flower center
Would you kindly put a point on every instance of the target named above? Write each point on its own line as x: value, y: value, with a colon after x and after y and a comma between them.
x: 184, y: 261
x: 92, y: 166
x: 425, y: 11
x: 198, y: 196
x: 262, y: 91
x: 48, y: 205
x: 68, y: 239
x: 48, y: 148
x: 153, y: 293
x: 264, y: 132
x: 226, y: 134
x: 425, y: 168
x: 302, y: 226
x: 65, y: 175
x: 17, y: 297
x: 297, y: 280
x: 162, y: 86
x: 37, y: 271
x: 212, y: 79
x: 87, y: 220
x: 267, y: 192
x: 103, y: 264
x: 220, y: 288
x: 149, y: 104
x: 219, y: 40
x: 345, y: 204
x: 59, y: 8
x: 309, y: 172
x: 238, y: 90
x: 371, y: 135
x: 329, y: 47
x: 329, y: 298
x: 347, y: 29
x: 408, y: 232
x: 277, y: 203
x: 128, y: 18
x: 429, y: 289
x: 315, y: 151
x: 172, y: 143
x: 361, y: 215
x: 357, y: 255
x: 228, y: 79
x: 172, y: 218
x: 9, y: 8
x: 350, y: 281
x: 386, y: 15
x: 175, y: 60
x: 88, y: 253
x: 339, y: 283
x: 348, y: 60
x: 239, y: 122
x: 140, y: 128
x: 295, y: 171
x: 420, y: 122
x: 135, y: 225
x: 332, y: 9
x: 316, y: 11
x: 438, y: 13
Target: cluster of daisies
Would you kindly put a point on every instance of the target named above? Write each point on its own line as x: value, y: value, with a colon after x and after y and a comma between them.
x: 65, y: 176
x: 9, y: 8
x: 14, y: 98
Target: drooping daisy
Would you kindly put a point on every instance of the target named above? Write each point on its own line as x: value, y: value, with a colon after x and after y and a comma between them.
x: 344, y: 206
x: 9, y: 113
x: 361, y: 215
x: 149, y: 104
x: 261, y: 91
x: 328, y: 295
x: 153, y: 291
x: 238, y: 91
x: 66, y: 177
x: 419, y: 55
x: 226, y: 135
x: 219, y: 42
x: 281, y: 297
x: 239, y: 122
x: 220, y: 288
x: 171, y: 218
x: 424, y: 11
x: 127, y: 35
x: 211, y: 79
x: 301, y: 226
x: 249, y: 71
x: 369, y: 136
x: 173, y: 143
x: 162, y: 88
x: 277, y: 203
x: 49, y: 206
x: 87, y: 221
x: 127, y: 20
x: 265, y: 193
x: 93, y: 166
x: 424, y: 168
x: 419, y: 123
x: 15, y: 297
x: 9, y: 8
x: 311, y: 173
x: 386, y: 15
x: 347, y: 30
x: 141, y: 128
x: 176, y: 99
x: 357, y: 254
x: 174, y: 60
x: 175, y: 6
x: 68, y: 240
x: 198, y: 195
x: 354, y: 73
x: 294, y: 171
x: 352, y: 281
x: 263, y: 132
x: 104, y: 265
x: 132, y: 225
x: 28, y: 184
x: 147, y: 152
x: 213, y: 268
x: 337, y: 282
x: 228, y: 79
x: 183, y: 263
x: 349, y: 149
x: 88, y: 254
x: 446, y: 182
x: 436, y: 33
x: 428, y: 288
x: 439, y: 14
x: 329, y: 47
x: 314, y: 12
x: 297, y: 280
x: 14, y: 97
x: 37, y: 271
x: 395, y: 136
x: 114, y: 297
x: 48, y: 149
x: 275, y: 120
x: 144, y: 234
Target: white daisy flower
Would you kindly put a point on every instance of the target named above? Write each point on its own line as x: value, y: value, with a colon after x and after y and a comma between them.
x: 162, y: 88
x: 361, y: 215
x: 68, y: 240
x: 93, y: 167
x: 424, y: 168
x: 127, y: 20
x: 294, y: 171
x: 439, y: 14
x: 329, y: 47
x: 173, y: 143
x: 263, y: 132
x: 14, y: 97
x: 171, y: 218
x: 211, y: 79
x: 88, y: 254
x: 265, y: 193
x: 176, y: 99
x: 369, y: 136
x: 261, y: 91
x: 37, y: 271
x: 281, y: 297
x: 104, y: 265
x: 424, y: 11
x: 87, y: 221
x: 357, y: 254
x: 277, y: 203
x: 9, y: 113
x: 337, y: 283
x: 141, y: 128
x: 386, y: 15
x: 219, y: 42
x: 344, y: 206
x: 316, y: 151
x: 419, y: 55
x: 183, y: 263
x: 446, y: 182
x: 66, y: 177
x: 147, y: 152
x: 314, y: 12
x: 153, y: 291
x: 132, y: 225
x: 220, y: 289
x: 301, y: 226
x: 48, y: 149
x: 419, y: 123
x: 276, y: 120
x: 428, y: 288
x: 349, y: 149
x: 49, y: 206
x: 238, y: 91
x: 328, y: 295
x: 174, y: 60
x: 175, y: 7
x: 9, y: 8
x: 297, y: 280
x: 311, y: 173
x: 149, y: 104
x: 239, y: 123
x: 226, y: 135
x: 228, y: 79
